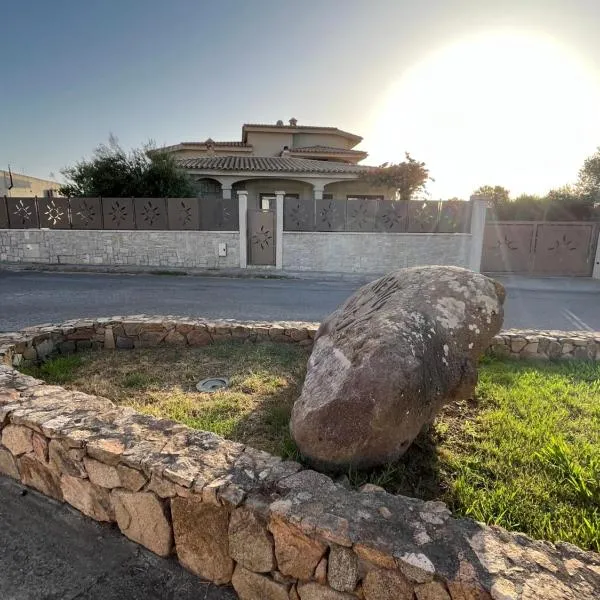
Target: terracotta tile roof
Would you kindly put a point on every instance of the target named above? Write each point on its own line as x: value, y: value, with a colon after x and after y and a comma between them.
x: 273, y: 164
x: 204, y: 145
x: 329, y: 149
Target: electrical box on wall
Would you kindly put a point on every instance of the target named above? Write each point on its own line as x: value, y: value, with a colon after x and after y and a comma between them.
x: 222, y: 249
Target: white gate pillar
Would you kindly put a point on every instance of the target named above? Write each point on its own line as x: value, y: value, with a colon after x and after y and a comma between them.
x: 243, y: 226
x: 477, y: 229
x: 279, y: 196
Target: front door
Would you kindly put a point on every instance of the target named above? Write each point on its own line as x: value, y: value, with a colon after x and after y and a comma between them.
x: 261, y: 237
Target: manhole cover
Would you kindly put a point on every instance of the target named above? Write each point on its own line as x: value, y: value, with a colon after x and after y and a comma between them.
x: 212, y: 384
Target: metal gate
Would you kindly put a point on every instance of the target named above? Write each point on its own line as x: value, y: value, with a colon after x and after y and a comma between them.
x: 261, y: 237
x: 541, y: 248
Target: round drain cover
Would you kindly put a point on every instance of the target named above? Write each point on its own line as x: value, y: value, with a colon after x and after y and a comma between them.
x: 212, y: 384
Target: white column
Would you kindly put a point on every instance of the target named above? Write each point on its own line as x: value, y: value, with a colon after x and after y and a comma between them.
x: 279, y: 196
x: 596, y: 271
x: 243, y: 208
x: 318, y: 191
x: 477, y: 230
x: 226, y: 193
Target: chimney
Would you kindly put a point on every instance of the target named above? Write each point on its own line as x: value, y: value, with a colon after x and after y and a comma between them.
x: 293, y: 122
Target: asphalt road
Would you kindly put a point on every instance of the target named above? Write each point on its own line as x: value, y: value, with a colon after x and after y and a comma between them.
x: 29, y: 298
x: 49, y: 551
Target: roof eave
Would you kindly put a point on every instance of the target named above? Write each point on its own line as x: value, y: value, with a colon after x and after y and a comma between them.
x: 301, y: 129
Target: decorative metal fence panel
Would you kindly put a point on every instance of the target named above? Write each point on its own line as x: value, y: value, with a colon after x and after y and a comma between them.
x: 219, y: 214
x: 392, y: 216
x: 184, y: 213
x: 3, y: 214
x: 298, y: 214
x: 86, y: 213
x: 150, y: 213
x: 54, y: 212
x: 375, y: 215
x: 545, y: 248
x: 117, y: 213
x: 360, y: 214
x: 210, y: 213
x: 22, y: 213
x: 330, y: 215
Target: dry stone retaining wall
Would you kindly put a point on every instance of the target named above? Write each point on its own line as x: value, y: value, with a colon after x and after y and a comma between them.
x: 143, y: 331
x: 233, y: 514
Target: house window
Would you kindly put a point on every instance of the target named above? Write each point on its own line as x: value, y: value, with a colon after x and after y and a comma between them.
x: 327, y: 196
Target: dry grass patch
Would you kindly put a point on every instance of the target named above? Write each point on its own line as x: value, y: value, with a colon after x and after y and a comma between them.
x: 265, y: 380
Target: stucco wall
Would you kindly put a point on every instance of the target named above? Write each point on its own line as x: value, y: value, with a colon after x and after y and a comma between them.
x: 321, y: 139
x: 270, y: 186
x: 269, y: 143
x: 372, y: 252
x: 25, y: 186
x: 342, y: 189
x: 140, y: 248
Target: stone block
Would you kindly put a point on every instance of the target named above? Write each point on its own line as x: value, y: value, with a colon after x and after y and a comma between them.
x: 201, y: 538
x: 67, y: 347
x: 131, y: 479
x: 83, y: 345
x: 250, y: 544
x: 297, y: 554
x: 315, y: 591
x: 150, y: 339
x: 174, y: 338
x: 251, y: 586
x: 66, y: 460
x: 37, y: 475
x: 109, y: 339
x: 142, y: 517
x: 92, y: 500
x: 320, y: 575
x: 199, y: 337
x: 161, y: 487
x: 434, y: 590
x: 18, y: 439
x: 382, y: 584
x: 40, y: 446
x: 8, y: 464
x: 124, y: 343
x: 517, y: 344
x: 44, y: 349
x: 105, y: 476
x: 342, y: 574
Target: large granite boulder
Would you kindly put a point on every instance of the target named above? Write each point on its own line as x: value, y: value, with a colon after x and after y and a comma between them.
x: 386, y: 361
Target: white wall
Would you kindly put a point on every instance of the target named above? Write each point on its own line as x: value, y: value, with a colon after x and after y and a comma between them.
x: 140, y: 248
x: 347, y: 252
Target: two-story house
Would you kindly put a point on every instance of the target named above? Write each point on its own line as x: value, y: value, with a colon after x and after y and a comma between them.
x: 307, y: 162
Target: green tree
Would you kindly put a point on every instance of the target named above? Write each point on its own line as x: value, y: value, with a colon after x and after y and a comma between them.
x: 406, y: 179
x: 496, y: 193
x: 111, y: 172
x: 588, y: 183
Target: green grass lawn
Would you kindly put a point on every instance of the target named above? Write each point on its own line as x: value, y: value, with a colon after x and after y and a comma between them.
x: 523, y: 454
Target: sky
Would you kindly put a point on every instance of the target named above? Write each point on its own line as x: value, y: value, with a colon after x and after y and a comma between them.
x: 484, y: 92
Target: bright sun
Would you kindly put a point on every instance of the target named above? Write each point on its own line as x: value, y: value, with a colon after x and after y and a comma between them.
x: 503, y: 108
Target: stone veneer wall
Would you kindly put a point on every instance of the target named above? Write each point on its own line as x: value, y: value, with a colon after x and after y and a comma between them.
x: 235, y: 514
x: 193, y: 249
x: 348, y: 252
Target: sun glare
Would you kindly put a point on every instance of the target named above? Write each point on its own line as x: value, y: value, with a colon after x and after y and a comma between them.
x: 504, y: 108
